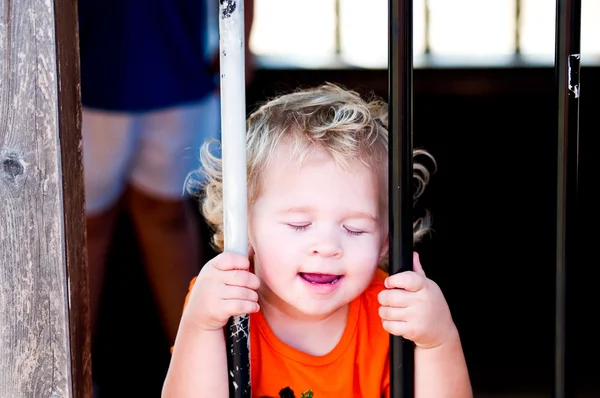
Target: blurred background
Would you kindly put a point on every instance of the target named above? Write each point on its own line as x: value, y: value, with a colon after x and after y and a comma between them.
x: 485, y: 105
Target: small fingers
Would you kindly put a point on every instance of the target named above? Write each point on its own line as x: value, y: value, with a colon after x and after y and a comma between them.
x: 241, y: 278
x: 393, y: 313
x: 417, y: 266
x: 395, y: 298
x: 227, y: 261
x: 399, y: 328
x: 240, y: 293
x: 407, y: 280
x: 239, y: 307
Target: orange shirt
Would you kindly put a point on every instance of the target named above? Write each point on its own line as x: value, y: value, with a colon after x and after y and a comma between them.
x: 358, y: 366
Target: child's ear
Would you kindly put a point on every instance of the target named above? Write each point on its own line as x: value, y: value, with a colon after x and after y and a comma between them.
x: 385, y: 247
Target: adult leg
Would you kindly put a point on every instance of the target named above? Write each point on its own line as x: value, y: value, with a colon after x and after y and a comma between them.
x: 165, y: 218
x: 107, y: 146
x: 170, y: 242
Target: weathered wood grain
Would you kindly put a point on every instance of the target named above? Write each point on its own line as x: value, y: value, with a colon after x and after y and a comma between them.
x: 71, y: 147
x: 43, y: 283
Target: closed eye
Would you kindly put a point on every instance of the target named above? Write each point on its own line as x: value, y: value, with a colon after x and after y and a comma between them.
x: 297, y: 227
x: 354, y: 233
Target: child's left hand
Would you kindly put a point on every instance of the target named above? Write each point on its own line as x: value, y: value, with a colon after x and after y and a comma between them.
x: 414, y: 307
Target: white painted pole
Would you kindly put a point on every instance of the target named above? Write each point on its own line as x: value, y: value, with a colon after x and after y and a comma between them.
x: 235, y: 203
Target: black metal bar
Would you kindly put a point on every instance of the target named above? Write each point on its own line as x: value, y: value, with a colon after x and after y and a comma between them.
x: 567, y: 61
x: 400, y: 93
x: 238, y: 357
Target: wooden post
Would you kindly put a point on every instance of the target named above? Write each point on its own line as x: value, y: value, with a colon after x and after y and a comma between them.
x: 44, y: 327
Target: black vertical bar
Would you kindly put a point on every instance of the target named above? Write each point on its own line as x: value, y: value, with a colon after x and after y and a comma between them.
x: 238, y: 356
x: 400, y: 75
x: 567, y: 61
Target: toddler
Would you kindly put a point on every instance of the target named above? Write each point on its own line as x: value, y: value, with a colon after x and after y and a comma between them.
x: 321, y: 303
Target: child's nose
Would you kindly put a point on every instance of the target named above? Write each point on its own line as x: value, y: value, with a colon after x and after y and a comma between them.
x: 327, y: 248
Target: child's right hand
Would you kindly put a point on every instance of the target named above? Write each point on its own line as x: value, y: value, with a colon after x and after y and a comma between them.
x: 224, y: 288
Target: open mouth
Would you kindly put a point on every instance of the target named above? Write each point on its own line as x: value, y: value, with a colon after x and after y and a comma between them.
x: 320, y: 279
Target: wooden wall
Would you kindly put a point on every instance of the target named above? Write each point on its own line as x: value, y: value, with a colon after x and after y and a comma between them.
x: 44, y: 343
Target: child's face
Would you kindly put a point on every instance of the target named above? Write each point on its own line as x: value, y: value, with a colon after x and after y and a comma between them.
x: 318, y: 233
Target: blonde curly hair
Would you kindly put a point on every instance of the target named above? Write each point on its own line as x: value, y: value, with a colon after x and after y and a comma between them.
x: 327, y: 117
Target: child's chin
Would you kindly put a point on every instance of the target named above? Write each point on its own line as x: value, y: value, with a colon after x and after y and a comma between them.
x: 320, y: 309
